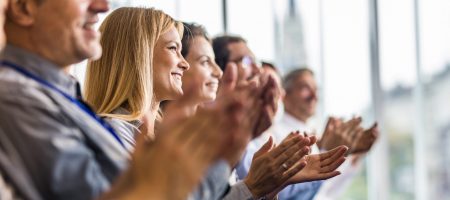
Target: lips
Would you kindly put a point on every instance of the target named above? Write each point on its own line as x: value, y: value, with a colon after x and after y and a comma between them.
x: 177, y: 75
x: 212, y: 83
x: 89, y: 27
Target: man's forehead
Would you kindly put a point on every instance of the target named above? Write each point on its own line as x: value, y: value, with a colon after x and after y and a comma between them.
x: 305, y: 78
x: 238, y: 49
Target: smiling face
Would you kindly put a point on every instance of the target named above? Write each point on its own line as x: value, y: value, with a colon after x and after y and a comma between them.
x: 67, y: 26
x: 168, y: 66
x: 204, y: 74
x: 244, y: 58
x: 301, y: 98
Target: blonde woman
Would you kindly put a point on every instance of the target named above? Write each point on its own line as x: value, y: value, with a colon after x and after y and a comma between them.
x: 137, y: 43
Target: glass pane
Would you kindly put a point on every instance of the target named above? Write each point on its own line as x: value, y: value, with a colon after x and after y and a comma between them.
x: 346, y: 78
x: 398, y: 78
x: 346, y: 56
x: 205, y: 12
x: 253, y: 20
x: 435, y: 56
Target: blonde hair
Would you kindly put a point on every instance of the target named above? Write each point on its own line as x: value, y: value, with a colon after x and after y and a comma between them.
x: 123, y: 76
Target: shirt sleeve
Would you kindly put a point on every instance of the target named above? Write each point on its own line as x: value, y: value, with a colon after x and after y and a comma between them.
x: 54, y: 151
x: 239, y: 191
x: 126, y: 131
x: 214, y: 184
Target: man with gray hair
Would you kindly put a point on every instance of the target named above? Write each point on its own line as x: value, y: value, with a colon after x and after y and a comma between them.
x: 300, y: 102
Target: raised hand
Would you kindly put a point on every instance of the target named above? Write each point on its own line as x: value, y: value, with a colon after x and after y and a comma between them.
x: 273, y: 166
x: 172, y: 165
x: 340, y: 133
x: 364, y: 141
x: 270, y: 95
x: 264, y: 89
x: 320, y: 166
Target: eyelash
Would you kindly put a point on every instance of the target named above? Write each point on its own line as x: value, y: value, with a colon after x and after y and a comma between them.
x: 173, y: 48
x: 205, y: 62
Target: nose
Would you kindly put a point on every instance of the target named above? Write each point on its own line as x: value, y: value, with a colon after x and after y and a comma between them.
x: 217, y: 72
x: 255, y: 69
x: 99, y: 6
x: 184, y: 65
x: 313, y: 95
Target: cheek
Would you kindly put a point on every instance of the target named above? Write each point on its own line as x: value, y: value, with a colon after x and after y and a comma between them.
x: 204, y: 75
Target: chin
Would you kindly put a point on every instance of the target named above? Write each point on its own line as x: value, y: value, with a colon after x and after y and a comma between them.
x: 96, y: 52
x: 176, y: 94
x: 92, y: 52
x: 209, y: 97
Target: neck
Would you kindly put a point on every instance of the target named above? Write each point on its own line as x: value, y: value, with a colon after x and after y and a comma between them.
x: 189, y: 109
x: 295, y: 112
x: 148, y: 121
x: 297, y: 115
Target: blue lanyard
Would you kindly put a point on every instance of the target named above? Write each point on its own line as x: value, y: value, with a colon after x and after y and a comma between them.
x: 75, y: 101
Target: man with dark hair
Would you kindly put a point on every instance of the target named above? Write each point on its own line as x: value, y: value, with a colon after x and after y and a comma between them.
x: 234, y: 49
x: 300, y: 191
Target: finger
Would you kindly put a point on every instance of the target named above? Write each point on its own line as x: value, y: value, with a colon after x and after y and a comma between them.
x: 293, y: 170
x: 333, y: 166
x: 264, y: 122
x: 265, y: 148
x: 312, y: 140
x: 325, y: 155
x: 285, y: 145
x: 374, y: 130
x: 355, y: 127
x: 291, y: 152
x: 290, y: 135
x: 292, y: 160
x: 325, y: 176
x: 254, y: 117
x: 229, y: 78
x: 336, y: 153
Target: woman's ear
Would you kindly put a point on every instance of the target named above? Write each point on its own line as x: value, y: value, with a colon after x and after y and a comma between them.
x: 22, y: 12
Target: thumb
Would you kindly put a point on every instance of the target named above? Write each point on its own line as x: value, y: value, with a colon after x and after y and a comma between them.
x: 229, y: 78
x: 266, y: 147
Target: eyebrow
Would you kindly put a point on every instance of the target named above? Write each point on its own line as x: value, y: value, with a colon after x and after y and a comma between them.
x: 203, y: 56
x: 178, y: 44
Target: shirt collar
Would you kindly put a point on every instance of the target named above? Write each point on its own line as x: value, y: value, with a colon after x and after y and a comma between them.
x: 123, y: 111
x: 292, y: 121
x: 42, y: 68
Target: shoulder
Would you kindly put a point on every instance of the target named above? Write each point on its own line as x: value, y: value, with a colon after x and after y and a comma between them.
x: 19, y: 91
x: 126, y: 130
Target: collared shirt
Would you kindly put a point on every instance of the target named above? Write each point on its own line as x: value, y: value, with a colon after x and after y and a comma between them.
x: 127, y: 130
x: 280, y: 129
x: 239, y: 191
x: 15, y: 182
x: 67, y: 153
